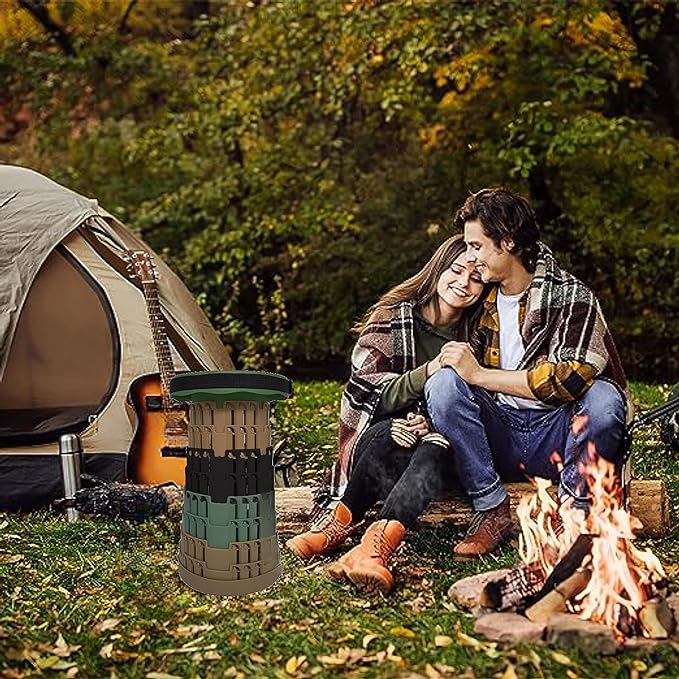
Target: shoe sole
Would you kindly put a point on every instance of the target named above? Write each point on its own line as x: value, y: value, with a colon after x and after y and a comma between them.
x: 473, y: 557
x: 368, y: 583
x: 336, y: 571
x: 302, y: 555
x: 297, y: 553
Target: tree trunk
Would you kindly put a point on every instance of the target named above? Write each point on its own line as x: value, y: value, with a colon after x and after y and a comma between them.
x: 661, y: 48
x: 38, y: 10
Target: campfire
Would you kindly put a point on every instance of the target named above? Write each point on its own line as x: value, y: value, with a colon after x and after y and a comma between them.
x: 583, y: 564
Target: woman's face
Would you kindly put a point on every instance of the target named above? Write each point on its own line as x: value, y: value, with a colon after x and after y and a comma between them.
x: 460, y: 284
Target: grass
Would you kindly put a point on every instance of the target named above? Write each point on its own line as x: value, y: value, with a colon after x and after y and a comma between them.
x: 102, y: 598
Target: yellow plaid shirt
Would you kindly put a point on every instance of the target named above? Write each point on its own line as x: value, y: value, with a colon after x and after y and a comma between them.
x: 553, y: 383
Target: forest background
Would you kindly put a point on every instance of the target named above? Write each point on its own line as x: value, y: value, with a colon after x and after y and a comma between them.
x: 293, y: 159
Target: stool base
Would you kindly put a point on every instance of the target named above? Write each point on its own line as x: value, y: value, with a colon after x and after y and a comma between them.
x: 230, y: 587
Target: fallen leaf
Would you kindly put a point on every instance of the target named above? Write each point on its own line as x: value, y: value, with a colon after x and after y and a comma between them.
x: 105, y: 625
x: 561, y: 658
x: 161, y: 675
x: 211, y: 655
x: 331, y: 660
x: 45, y: 662
x: 106, y: 651
x: 62, y: 665
x: 442, y: 640
x: 255, y: 657
x: 367, y: 639
x: 345, y: 656
x: 510, y: 672
x: 390, y: 654
x: 655, y: 669
x: 402, y: 632
x: 62, y: 649
x: 431, y: 672
x: 10, y: 673
x: 466, y: 640
x: 190, y: 630
x: 294, y: 664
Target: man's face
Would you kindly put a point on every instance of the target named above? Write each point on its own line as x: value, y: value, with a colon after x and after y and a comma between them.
x: 492, y: 262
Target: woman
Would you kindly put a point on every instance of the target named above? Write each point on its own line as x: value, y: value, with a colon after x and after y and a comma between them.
x: 386, y: 449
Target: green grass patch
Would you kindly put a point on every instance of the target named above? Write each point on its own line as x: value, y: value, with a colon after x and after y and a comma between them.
x: 102, y: 598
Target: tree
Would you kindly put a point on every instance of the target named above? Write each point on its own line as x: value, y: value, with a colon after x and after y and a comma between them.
x: 295, y: 158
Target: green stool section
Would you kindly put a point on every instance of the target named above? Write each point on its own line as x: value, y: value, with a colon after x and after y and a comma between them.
x: 236, y: 507
x: 240, y: 518
x: 229, y: 544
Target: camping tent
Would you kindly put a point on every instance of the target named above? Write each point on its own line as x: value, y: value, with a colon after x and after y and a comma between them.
x: 74, y: 334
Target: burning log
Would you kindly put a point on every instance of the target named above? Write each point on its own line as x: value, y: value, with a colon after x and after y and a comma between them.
x: 511, y: 590
x: 556, y: 600
x: 621, y: 576
x: 563, y: 570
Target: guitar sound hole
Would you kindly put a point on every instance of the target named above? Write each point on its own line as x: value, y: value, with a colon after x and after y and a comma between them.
x: 154, y: 403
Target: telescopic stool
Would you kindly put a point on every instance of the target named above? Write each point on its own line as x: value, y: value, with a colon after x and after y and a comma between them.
x: 229, y: 543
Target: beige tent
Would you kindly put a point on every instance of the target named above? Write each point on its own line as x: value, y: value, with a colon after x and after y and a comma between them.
x: 74, y: 334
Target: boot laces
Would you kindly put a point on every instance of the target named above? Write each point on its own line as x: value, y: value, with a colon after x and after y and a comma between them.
x: 476, y: 522
x: 333, y: 529
x: 381, y: 546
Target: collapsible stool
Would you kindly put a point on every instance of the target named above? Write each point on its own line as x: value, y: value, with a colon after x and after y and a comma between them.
x: 228, y: 542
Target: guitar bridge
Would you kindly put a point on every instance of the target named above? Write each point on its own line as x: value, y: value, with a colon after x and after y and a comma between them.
x: 172, y: 451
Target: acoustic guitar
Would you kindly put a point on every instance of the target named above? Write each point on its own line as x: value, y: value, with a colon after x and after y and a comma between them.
x: 158, y: 449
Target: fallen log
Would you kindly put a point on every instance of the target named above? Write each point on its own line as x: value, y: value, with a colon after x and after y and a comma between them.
x: 648, y: 499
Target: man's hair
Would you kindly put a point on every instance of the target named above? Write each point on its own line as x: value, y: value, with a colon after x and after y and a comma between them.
x: 504, y: 215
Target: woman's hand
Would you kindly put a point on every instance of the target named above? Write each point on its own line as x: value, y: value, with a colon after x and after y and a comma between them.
x: 417, y: 424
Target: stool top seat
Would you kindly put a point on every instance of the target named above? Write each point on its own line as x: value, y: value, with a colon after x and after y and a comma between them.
x: 234, y: 385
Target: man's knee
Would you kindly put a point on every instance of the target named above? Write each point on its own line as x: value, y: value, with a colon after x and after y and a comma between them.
x: 604, y: 406
x: 445, y: 389
x: 606, y: 412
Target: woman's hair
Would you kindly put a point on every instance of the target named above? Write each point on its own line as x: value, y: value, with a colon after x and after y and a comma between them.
x: 421, y: 288
x: 503, y: 214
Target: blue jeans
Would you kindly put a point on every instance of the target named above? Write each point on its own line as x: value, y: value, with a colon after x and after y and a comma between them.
x: 494, y: 442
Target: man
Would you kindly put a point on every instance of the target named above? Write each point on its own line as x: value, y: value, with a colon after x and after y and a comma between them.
x: 549, y: 378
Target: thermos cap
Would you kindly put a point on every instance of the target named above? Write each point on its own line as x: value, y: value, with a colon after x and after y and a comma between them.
x: 69, y: 443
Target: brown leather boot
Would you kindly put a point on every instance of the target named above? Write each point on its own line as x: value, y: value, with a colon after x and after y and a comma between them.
x: 322, y: 538
x: 486, y: 532
x: 366, y: 564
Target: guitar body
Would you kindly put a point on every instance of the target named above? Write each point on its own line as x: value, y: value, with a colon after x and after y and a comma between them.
x: 158, y: 450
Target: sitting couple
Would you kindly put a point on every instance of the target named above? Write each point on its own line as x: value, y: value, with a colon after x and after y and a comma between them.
x: 469, y: 373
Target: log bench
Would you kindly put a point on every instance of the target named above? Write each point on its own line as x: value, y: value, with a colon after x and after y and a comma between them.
x: 648, y: 499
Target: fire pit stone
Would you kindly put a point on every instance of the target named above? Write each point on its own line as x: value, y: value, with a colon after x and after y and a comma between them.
x: 568, y: 631
x: 509, y: 627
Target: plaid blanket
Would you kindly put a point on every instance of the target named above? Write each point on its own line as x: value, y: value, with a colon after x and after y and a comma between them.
x: 385, y: 349
x: 564, y: 322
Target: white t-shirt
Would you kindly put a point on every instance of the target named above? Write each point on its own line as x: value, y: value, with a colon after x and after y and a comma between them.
x: 511, y: 347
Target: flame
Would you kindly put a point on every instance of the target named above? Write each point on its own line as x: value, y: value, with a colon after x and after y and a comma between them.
x: 622, y: 575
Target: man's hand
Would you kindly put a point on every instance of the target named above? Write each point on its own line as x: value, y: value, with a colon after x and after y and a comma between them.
x: 459, y: 356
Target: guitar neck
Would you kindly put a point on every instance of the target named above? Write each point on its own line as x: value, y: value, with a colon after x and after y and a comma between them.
x: 160, y: 343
